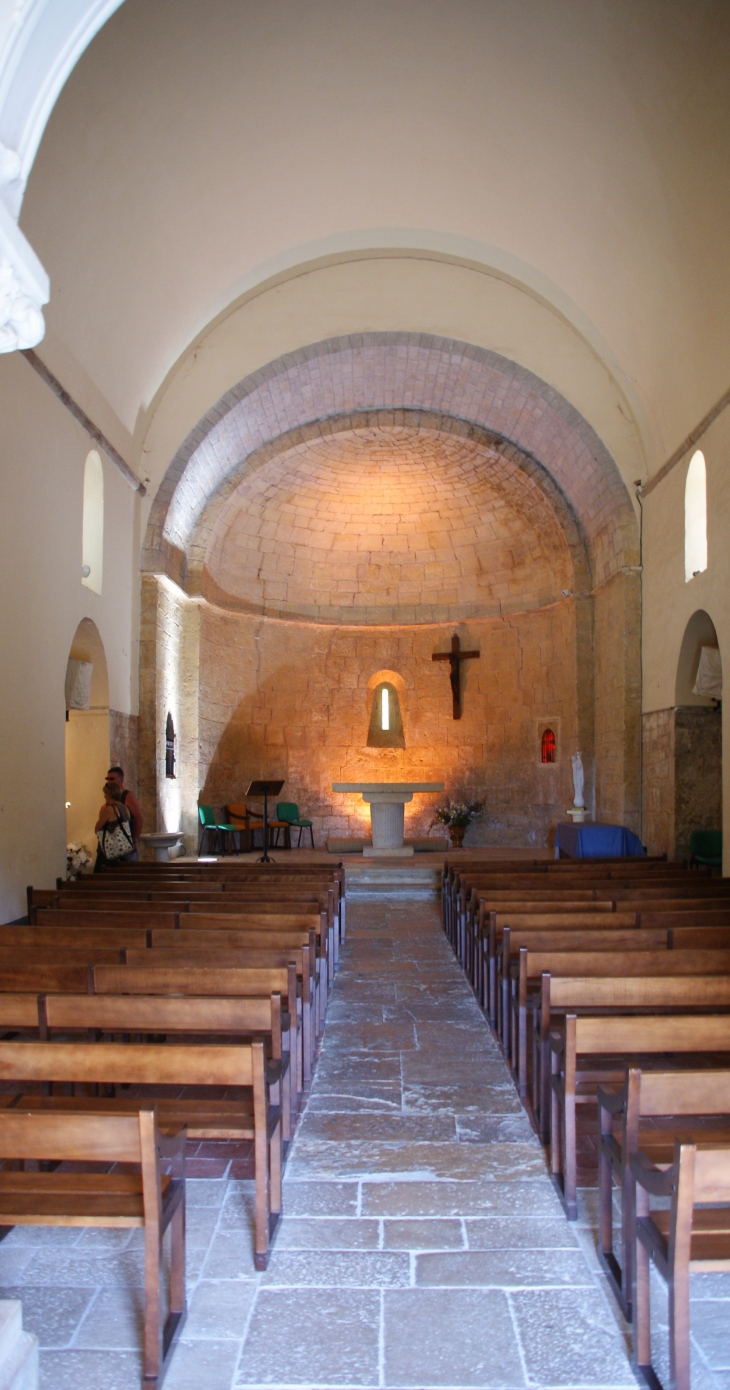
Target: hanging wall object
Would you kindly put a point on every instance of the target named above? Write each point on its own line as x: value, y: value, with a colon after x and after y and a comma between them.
x: 169, y: 747
x: 78, y: 684
x: 709, y: 674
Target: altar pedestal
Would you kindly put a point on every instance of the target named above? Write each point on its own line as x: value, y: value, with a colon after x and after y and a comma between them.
x: 387, y: 813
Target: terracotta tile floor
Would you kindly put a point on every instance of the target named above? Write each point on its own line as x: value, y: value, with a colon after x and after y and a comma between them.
x: 422, y: 1245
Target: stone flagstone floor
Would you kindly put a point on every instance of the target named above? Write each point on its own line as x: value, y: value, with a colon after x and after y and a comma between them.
x: 422, y: 1245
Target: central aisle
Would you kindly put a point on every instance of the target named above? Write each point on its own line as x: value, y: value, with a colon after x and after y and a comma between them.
x: 423, y: 1244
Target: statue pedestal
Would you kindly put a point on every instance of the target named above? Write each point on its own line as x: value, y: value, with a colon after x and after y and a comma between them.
x: 387, y: 813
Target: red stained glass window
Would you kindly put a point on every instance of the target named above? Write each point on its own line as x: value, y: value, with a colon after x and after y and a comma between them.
x: 548, y: 746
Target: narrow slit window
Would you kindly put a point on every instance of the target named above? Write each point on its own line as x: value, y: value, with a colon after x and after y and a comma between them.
x: 92, y: 527
x: 169, y: 748
x: 548, y: 746
x: 386, y: 719
x: 695, y: 517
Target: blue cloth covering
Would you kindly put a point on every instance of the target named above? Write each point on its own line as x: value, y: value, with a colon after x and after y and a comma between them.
x: 597, y: 842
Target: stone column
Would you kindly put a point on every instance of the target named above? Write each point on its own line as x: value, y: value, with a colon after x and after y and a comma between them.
x: 387, y: 821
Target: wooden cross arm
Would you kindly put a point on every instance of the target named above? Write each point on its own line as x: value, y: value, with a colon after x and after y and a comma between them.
x: 449, y: 656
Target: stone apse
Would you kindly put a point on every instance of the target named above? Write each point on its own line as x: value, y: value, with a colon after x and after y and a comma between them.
x: 328, y: 526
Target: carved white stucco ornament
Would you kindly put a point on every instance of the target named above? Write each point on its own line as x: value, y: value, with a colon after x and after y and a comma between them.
x: 40, y: 43
x: 21, y: 321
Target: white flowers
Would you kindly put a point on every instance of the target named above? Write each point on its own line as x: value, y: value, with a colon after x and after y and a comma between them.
x: 77, y: 857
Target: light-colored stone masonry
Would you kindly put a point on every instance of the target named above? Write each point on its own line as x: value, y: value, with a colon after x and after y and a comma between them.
x: 292, y: 700
x: 394, y: 371
x: 409, y: 525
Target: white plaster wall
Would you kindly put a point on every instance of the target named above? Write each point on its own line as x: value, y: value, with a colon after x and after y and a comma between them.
x: 198, y: 149
x: 43, y: 601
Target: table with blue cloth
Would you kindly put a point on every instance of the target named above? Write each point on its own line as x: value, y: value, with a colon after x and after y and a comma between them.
x: 597, y: 841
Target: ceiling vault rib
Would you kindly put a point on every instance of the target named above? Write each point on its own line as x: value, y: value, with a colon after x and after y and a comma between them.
x: 80, y: 415
x: 686, y: 445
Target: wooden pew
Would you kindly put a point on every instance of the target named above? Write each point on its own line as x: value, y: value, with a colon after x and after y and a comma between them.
x: 151, y: 1198
x: 681, y: 1241
x: 515, y: 939
x: 664, y: 921
x: 250, y: 951
x: 198, y: 981
x: 646, y: 996
x: 298, y: 945
x: 253, y: 1019
x: 49, y: 979
x: 239, y: 1065
x: 692, y: 1106
x: 79, y: 937
x: 621, y: 966
x: 546, y: 922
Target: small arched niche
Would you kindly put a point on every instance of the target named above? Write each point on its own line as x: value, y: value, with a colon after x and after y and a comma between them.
x: 385, y: 721
x: 87, y: 734
x: 698, y: 634
x: 547, y: 746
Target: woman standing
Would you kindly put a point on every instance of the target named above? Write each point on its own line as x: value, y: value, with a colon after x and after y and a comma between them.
x: 113, y: 829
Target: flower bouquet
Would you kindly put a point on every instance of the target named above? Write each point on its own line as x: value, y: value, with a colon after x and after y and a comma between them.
x: 457, y: 817
x: 78, y: 857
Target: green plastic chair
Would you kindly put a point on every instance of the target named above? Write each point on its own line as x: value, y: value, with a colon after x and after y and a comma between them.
x: 289, y: 811
x: 209, y: 825
x: 705, y: 847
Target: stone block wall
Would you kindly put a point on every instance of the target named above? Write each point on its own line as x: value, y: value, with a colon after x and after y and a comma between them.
x: 124, y: 745
x: 658, y: 782
x: 617, y: 629
x: 682, y: 777
x: 290, y: 700
x: 698, y: 763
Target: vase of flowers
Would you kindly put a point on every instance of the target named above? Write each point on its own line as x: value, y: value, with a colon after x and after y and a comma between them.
x: 457, y: 816
x: 78, y: 857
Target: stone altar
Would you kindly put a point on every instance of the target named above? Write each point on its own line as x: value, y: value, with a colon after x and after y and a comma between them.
x: 387, y: 813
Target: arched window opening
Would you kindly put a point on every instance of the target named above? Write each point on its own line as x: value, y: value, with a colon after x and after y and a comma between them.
x: 169, y: 747
x: 695, y: 517
x: 386, y: 720
x: 92, y: 531
x: 548, y: 746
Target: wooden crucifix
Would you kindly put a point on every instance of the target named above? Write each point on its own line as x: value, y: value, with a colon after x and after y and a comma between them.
x: 455, y: 657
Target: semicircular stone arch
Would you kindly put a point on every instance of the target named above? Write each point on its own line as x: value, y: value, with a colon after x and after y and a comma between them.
x: 390, y: 372
x: 239, y: 622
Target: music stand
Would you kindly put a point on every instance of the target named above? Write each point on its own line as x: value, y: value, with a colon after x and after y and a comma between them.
x: 265, y: 789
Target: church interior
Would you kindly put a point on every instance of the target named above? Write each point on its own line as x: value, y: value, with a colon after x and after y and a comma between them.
x: 265, y: 269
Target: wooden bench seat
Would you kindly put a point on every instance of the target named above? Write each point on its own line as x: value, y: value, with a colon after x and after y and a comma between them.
x: 698, y: 995
x: 649, y: 1112
x: 242, y: 984
x: 153, y: 1067
x: 151, y: 1199
x: 680, y: 1241
x: 251, y: 1019
x: 534, y: 966
x: 261, y: 955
